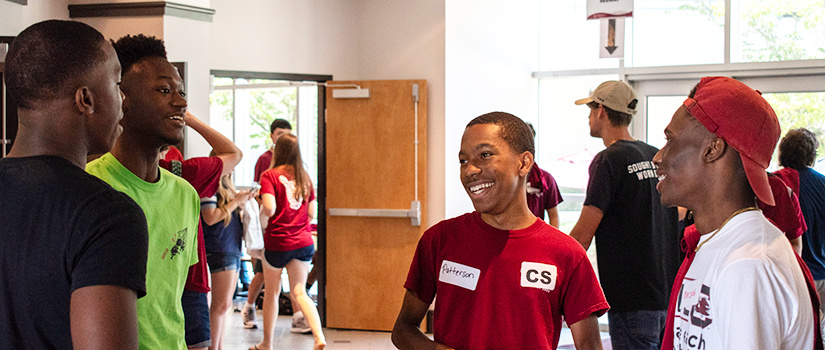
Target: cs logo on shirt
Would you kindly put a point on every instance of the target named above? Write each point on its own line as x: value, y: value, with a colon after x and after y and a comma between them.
x: 537, y: 275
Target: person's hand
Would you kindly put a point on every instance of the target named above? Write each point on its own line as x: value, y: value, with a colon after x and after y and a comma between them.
x: 188, y: 116
x: 243, y: 196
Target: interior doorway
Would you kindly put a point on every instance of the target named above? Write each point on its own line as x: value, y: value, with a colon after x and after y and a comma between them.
x: 242, y: 106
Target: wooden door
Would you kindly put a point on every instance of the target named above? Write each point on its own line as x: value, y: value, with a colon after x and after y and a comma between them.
x: 370, y: 164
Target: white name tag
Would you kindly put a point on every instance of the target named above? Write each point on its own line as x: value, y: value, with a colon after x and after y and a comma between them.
x: 536, y: 275
x: 459, y: 275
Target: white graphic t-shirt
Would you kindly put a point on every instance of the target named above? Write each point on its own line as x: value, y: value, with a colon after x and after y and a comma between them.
x: 744, y: 290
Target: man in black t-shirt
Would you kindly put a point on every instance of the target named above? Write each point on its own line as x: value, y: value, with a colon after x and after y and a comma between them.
x: 637, y: 244
x: 73, y: 252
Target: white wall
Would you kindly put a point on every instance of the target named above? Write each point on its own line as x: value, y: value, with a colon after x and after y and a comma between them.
x: 15, y: 17
x: 492, y: 50
x: 285, y: 36
x: 405, y: 40
x: 190, y: 41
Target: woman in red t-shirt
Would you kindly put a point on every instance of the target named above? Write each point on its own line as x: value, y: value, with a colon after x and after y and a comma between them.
x: 288, y: 199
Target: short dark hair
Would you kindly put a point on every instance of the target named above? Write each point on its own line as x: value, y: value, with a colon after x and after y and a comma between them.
x: 692, y: 92
x: 512, y: 130
x: 797, y: 150
x: 279, y: 124
x: 616, y: 118
x: 532, y: 129
x: 47, y: 59
x: 132, y: 49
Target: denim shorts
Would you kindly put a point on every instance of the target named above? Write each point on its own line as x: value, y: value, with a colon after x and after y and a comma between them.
x: 280, y: 259
x: 196, y: 317
x: 219, y: 262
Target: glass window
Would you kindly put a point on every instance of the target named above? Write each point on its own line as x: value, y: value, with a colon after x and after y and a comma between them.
x: 308, y: 130
x: 681, y: 32
x: 764, y: 31
x: 660, y: 110
x: 245, y: 113
x: 563, y: 142
x: 221, y: 115
x: 801, y: 110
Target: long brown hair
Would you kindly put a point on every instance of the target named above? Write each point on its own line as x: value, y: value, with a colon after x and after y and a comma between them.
x: 226, y: 194
x: 287, y: 152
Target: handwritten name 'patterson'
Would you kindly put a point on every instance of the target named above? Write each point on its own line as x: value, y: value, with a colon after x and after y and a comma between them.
x: 459, y: 275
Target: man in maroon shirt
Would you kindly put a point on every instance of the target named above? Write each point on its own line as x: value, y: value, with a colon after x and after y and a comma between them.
x: 276, y: 129
x: 503, y: 278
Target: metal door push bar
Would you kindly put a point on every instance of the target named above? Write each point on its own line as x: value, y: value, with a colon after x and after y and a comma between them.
x: 414, y: 213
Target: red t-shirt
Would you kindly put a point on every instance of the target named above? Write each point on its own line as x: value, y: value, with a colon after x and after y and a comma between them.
x: 542, y: 191
x: 289, y: 228
x: 786, y: 214
x: 204, y: 174
x: 503, y: 289
x: 263, y: 163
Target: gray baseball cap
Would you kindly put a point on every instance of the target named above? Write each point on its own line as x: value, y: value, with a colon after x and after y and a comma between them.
x: 613, y: 94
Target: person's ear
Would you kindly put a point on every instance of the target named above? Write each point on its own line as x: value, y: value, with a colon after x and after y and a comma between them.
x: 525, y: 163
x: 84, y: 100
x: 602, y: 112
x: 715, y: 149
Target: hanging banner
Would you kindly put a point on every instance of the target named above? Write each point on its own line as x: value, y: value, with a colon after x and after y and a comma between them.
x: 611, y: 43
x: 597, y: 9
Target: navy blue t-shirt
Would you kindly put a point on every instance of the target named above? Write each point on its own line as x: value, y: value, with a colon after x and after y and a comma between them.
x: 812, y: 203
x: 219, y: 238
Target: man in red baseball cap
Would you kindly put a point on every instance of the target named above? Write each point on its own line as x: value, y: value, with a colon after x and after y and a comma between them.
x: 741, y: 285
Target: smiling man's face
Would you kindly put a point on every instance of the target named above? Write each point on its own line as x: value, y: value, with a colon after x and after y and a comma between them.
x: 489, y: 169
x: 155, y: 101
x: 679, y: 162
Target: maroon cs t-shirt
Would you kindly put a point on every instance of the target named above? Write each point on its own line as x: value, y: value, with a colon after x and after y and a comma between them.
x: 502, y: 289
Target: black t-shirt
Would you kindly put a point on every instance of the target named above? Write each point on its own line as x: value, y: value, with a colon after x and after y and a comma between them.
x: 61, y: 229
x: 637, y: 242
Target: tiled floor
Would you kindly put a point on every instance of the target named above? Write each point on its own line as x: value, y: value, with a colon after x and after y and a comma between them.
x: 238, y: 338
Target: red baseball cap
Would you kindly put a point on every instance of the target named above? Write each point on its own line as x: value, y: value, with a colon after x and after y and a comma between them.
x: 741, y: 116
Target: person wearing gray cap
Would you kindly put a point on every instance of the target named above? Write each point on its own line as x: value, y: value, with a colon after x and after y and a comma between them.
x: 637, y: 243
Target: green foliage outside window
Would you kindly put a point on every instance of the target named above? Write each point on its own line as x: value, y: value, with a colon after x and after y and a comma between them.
x: 784, y: 30
x: 265, y: 105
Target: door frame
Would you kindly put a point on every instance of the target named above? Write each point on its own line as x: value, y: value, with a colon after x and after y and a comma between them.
x: 8, y: 110
x: 321, y: 186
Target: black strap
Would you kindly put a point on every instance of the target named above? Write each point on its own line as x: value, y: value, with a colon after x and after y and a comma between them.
x: 177, y: 167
